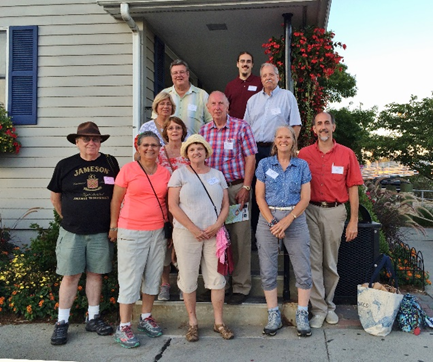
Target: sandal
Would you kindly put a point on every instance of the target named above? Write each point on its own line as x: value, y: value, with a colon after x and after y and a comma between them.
x: 192, y: 334
x: 222, y: 329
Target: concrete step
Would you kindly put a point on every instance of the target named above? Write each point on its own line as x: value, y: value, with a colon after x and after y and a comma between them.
x: 256, y: 286
x: 249, y: 313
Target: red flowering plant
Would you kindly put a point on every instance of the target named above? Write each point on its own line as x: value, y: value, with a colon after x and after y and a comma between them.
x: 313, y: 60
x: 8, y: 135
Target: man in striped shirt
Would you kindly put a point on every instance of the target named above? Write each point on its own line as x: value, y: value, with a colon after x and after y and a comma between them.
x: 234, y: 150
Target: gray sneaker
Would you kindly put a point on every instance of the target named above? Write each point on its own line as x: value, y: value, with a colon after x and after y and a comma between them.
x: 302, y: 324
x: 150, y: 327
x: 274, y: 323
x: 125, y: 336
x: 164, y: 292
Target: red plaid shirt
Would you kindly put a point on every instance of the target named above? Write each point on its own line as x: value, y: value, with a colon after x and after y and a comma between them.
x: 230, y: 145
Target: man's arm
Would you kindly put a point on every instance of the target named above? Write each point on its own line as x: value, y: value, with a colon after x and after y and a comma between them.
x: 297, y: 130
x: 352, y: 226
x: 243, y: 195
x: 56, y: 200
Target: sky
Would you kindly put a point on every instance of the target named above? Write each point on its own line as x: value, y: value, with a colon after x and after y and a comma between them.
x: 389, y: 49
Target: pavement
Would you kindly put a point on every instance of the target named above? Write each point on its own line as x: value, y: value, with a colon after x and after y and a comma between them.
x: 346, y: 341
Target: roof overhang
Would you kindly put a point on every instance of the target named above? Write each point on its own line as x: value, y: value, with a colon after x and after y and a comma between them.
x: 210, y: 34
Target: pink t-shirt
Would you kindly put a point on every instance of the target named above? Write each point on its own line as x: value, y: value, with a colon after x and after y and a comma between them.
x: 140, y: 210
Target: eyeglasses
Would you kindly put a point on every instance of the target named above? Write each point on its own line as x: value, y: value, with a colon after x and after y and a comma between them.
x: 88, y: 139
x: 151, y: 145
x: 180, y: 72
x: 172, y: 128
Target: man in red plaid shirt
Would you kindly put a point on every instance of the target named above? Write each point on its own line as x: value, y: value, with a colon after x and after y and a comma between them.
x: 234, y: 150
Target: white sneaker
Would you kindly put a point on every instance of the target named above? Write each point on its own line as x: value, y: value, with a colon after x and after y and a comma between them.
x: 317, y: 321
x: 332, y: 317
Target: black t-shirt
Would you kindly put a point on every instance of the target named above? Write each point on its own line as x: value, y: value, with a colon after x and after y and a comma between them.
x: 86, y: 188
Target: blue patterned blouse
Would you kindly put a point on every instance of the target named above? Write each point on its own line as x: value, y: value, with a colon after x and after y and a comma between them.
x: 283, y: 188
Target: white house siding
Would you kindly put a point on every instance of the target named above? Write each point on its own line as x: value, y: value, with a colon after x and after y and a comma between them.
x: 84, y: 74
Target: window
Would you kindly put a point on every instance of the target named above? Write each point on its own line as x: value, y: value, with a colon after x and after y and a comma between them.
x: 22, y: 74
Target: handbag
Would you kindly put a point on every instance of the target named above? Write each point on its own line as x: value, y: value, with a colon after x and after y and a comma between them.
x: 168, y: 226
x: 225, y: 260
x: 378, y: 308
x: 411, y: 318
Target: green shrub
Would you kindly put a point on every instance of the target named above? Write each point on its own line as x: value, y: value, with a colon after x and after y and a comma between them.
x: 29, y: 285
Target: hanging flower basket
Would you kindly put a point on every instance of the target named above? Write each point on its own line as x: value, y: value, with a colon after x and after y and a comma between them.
x: 313, y: 60
x: 8, y: 135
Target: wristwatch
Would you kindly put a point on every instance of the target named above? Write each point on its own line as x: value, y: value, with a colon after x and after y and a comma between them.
x: 248, y: 188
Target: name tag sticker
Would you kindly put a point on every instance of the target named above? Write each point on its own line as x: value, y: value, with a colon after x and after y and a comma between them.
x: 108, y: 180
x: 192, y: 107
x: 276, y: 111
x: 252, y: 88
x: 272, y: 173
x: 337, y: 169
x: 213, y: 181
x: 228, y: 145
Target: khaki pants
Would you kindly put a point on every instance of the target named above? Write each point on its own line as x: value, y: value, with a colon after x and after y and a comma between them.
x: 326, y: 227
x: 240, y: 235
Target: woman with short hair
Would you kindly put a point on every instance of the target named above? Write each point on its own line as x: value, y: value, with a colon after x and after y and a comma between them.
x: 138, y: 214
x: 198, y: 201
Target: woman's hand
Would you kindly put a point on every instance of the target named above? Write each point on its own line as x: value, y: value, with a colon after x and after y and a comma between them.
x: 278, y: 230
x: 169, y: 243
x: 199, y: 234
x: 112, y: 235
x: 213, y: 229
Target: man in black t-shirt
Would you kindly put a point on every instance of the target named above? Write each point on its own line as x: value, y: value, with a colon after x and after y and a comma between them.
x: 81, y: 190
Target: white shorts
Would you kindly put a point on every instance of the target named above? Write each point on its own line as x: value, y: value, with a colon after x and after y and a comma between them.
x: 140, y: 258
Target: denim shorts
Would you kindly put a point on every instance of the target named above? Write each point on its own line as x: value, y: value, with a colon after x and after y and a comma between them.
x: 79, y: 253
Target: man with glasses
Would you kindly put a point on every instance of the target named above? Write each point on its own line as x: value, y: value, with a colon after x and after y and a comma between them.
x: 239, y: 90
x: 81, y: 191
x: 190, y: 100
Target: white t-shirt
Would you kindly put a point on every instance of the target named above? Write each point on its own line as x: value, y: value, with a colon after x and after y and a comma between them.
x: 193, y: 199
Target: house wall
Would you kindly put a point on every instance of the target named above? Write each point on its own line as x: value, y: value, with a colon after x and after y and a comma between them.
x: 84, y: 74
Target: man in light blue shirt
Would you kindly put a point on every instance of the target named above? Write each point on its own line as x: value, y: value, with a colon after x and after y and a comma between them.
x: 271, y: 107
x: 266, y: 111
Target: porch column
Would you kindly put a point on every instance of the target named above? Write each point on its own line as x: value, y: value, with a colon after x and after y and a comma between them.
x: 287, y: 46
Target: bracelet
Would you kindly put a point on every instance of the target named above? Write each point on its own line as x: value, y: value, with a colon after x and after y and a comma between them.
x: 273, y: 222
x: 113, y: 229
x: 293, y: 214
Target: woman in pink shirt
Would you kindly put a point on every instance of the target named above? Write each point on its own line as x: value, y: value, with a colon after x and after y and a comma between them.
x: 138, y: 213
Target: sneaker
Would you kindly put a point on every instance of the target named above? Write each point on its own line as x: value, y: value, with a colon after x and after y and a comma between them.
x: 125, y: 336
x: 332, y: 317
x: 302, y: 324
x: 60, y: 334
x: 99, y: 326
x: 164, y: 292
x: 317, y: 321
x: 274, y: 323
x: 150, y: 327
x: 180, y: 295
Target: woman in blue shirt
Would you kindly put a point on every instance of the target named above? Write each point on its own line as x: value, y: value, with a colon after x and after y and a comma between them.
x: 283, y: 194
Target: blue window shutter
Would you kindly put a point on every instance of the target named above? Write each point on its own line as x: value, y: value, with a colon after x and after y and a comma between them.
x: 23, y: 74
x: 159, y: 60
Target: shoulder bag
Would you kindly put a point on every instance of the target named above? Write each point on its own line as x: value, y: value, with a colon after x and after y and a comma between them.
x: 225, y: 261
